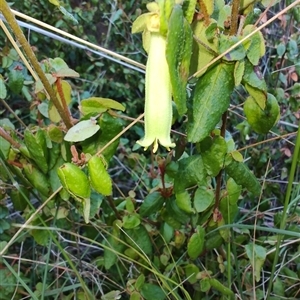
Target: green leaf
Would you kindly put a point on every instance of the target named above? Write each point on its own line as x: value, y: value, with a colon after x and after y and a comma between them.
x: 204, y: 52
x: 239, y: 69
x: 184, y: 202
x: 262, y: 120
x: 242, y: 176
x: 82, y: 130
x: 15, y: 81
x: 191, y: 271
x: 269, y: 3
x: 3, y: 91
x: 99, y: 177
x: 253, y: 77
x: 228, y: 206
x: 139, y: 239
x: 196, y: 243
x: 237, y: 156
x: 257, y: 255
x: 20, y: 198
x: 167, y: 232
x: 151, y: 291
x: 178, y: 214
x: 3, y: 212
x: 5, y: 147
x: 37, y: 147
x: 61, y: 69
x: 211, y: 98
x: 97, y: 105
x: 220, y: 287
x: 257, y: 47
x: 213, y: 157
x: 8, y: 283
x: 189, y: 7
x: 203, y: 198
x: 258, y: 95
x: 112, y: 295
x: 37, y: 179
x: 110, y: 257
x: 151, y: 204
x: 178, y: 53
x: 191, y: 172
x: 110, y: 127
x: 226, y: 42
x: 131, y: 221
x: 40, y: 236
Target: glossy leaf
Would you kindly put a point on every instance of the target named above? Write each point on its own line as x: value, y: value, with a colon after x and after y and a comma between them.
x: 184, y: 202
x: 151, y: 204
x: 254, y: 77
x: 37, y: 147
x: 259, y: 96
x: 178, y: 52
x: 97, y: 105
x: 82, y: 130
x: 211, y: 98
x: 191, y: 172
x: 196, y: 243
x: 178, y: 214
x: 242, y: 176
x: 262, y: 120
x: 213, y: 157
x: 203, y: 199
x: 239, y: 69
x: 257, y: 47
x: 99, y: 177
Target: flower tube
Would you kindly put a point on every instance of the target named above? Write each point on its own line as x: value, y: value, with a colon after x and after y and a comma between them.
x: 158, y: 101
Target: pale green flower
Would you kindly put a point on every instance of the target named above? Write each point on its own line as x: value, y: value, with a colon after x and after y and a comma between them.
x: 158, y: 101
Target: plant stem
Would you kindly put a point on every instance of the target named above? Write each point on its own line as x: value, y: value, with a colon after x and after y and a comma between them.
x: 234, y: 17
x: 113, y: 206
x: 285, y: 208
x: 219, y: 176
x: 7, y: 137
x: 5, y: 10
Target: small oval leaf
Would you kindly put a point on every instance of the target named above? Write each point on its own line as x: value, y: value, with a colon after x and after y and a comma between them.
x: 82, y: 131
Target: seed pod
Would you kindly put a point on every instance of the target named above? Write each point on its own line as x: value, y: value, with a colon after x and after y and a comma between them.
x: 99, y: 177
x: 75, y: 181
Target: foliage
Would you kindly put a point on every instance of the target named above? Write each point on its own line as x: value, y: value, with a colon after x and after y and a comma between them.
x: 99, y: 218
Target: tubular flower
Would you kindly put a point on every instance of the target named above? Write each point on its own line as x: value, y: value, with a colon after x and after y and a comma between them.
x: 158, y: 101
